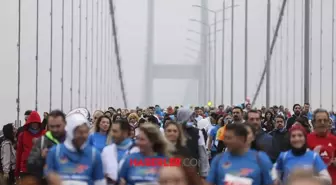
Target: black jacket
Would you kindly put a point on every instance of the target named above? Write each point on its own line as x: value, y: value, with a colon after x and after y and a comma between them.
x: 290, y: 122
x: 35, y: 161
x: 280, y: 143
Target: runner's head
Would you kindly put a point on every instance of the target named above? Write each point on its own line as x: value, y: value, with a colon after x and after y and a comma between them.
x: 254, y: 118
x: 279, y: 122
x: 321, y: 122
x: 121, y: 130
x: 150, y: 139
x: 56, y: 123
x: 236, y: 137
x: 297, y: 138
x: 77, y: 130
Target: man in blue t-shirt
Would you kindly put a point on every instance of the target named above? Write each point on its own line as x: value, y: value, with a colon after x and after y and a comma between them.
x: 240, y: 164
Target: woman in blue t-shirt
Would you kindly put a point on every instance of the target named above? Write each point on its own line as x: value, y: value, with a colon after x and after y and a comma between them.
x: 99, y: 139
x: 299, y: 157
x: 152, y: 146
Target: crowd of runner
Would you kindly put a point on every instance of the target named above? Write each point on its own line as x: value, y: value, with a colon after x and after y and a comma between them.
x: 233, y: 145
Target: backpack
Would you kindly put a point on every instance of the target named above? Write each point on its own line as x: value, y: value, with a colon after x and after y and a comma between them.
x: 192, y: 134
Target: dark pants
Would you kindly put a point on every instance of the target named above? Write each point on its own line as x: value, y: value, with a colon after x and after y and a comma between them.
x: 11, y: 179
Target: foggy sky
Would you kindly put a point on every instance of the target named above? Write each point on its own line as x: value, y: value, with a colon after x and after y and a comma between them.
x: 171, y: 25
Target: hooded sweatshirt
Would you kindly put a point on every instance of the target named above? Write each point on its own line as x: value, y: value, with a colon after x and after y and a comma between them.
x: 83, y: 166
x: 186, y: 117
x: 25, y: 142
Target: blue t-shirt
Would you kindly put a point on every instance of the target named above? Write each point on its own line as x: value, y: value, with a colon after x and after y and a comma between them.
x: 85, y: 166
x: 139, y: 174
x: 287, y: 162
x: 252, y: 165
x: 213, y: 134
x: 98, y: 141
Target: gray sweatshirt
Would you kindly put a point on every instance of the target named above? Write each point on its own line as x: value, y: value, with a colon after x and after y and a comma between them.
x: 8, y: 157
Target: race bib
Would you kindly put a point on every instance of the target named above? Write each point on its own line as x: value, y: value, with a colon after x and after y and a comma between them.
x: 146, y: 183
x: 235, y: 180
x: 73, y: 182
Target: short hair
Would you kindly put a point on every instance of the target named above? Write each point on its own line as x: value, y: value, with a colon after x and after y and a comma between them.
x: 306, y: 104
x: 296, y: 105
x: 238, y: 129
x: 237, y: 107
x: 124, y: 125
x: 319, y: 110
x: 281, y: 117
x: 253, y: 111
x: 57, y: 113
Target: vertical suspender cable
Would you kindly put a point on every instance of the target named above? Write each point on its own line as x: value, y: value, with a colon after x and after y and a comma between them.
x: 232, y: 48
x: 275, y: 75
x: 62, y: 75
x: 246, y: 50
x: 294, y: 51
x: 103, y: 67
x: 281, y: 65
x: 310, y: 49
x: 321, y: 50
x: 332, y: 55
x: 287, y: 56
x: 86, y: 51
x: 80, y: 53
x: 105, y: 59
x: 37, y: 54
x: 101, y: 56
x: 51, y: 53
x: 268, y: 54
x: 18, y: 66
x: 96, y: 79
x: 91, y: 69
x: 302, y: 53
x: 72, y: 53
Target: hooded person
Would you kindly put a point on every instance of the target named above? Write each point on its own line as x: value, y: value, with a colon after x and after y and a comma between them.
x: 195, y: 139
x: 32, y: 130
x: 75, y: 161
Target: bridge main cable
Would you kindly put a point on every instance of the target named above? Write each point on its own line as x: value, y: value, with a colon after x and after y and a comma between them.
x: 267, y: 63
x: 116, y: 49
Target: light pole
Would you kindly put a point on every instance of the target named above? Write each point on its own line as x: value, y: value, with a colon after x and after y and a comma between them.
x: 215, y: 44
x: 208, y: 79
x: 223, y: 47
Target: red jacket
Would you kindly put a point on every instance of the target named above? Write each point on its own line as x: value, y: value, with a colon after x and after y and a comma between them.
x: 25, y: 143
x: 328, y: 150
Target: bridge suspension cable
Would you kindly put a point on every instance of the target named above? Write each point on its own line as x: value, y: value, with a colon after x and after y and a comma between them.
x: 116, y: 49
x: 271, y: 50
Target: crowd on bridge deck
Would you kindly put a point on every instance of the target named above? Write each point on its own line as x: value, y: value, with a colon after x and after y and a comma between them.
x: 232, y: 145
